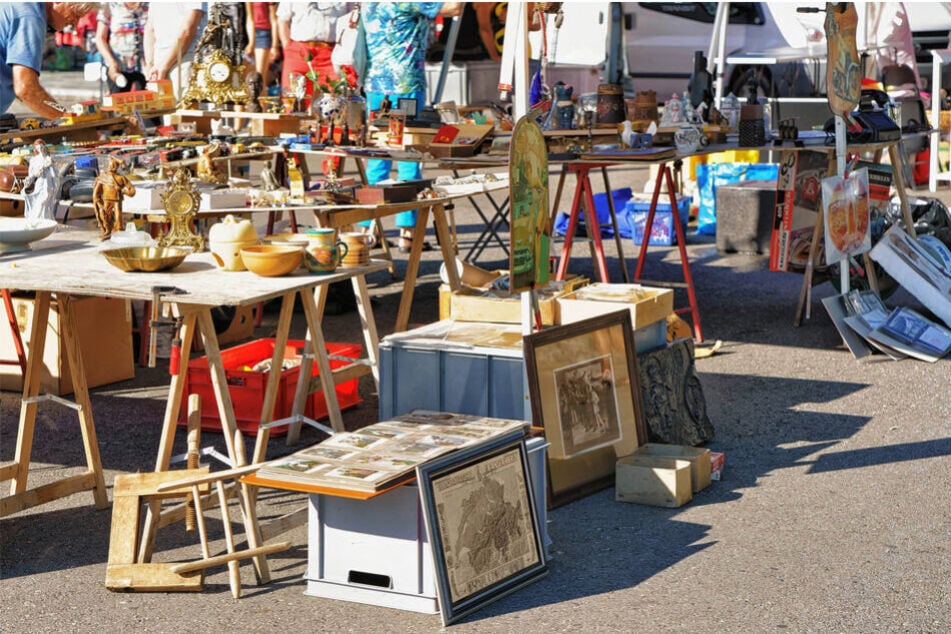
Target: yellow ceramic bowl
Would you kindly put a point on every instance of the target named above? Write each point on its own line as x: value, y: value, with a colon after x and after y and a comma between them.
x: 272, y: 260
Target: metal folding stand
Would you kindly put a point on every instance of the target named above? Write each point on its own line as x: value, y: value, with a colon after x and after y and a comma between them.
x: 664, y: 176
x: 583, y: 202
x: 498, y: 222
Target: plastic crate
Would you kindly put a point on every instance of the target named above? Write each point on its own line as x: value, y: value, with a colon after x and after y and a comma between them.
x: 247, y: 387
x: 663, y: 232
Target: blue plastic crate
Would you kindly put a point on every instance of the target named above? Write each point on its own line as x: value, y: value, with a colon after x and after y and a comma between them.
x: 663, y: 232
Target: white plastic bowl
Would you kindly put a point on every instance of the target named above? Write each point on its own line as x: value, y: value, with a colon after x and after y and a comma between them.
x: 16, y: 234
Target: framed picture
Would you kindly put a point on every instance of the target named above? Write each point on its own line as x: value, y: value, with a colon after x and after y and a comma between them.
x: 482, y: 524
x: 408, y: 105
x: 585, y: 390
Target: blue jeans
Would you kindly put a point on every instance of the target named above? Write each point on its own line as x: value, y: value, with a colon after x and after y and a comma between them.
x: 379, y: 169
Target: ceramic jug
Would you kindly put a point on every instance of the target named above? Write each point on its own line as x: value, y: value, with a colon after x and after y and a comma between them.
x: 227, y: 238
x: 324, y: 253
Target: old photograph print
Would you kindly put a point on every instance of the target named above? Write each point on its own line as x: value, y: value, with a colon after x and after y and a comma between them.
x: 587, y: 405
x: 485, y: 520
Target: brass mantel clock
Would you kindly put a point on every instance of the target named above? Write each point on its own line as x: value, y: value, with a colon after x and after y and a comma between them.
x: 215, y: 80
x: 181, y: 201
x: 217, y: 74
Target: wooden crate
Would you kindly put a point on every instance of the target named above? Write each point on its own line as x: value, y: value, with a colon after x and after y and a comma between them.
x: 652, y: 480
x: 647, y: 304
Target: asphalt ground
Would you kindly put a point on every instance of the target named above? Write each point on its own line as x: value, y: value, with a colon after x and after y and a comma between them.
x: 833, y: 514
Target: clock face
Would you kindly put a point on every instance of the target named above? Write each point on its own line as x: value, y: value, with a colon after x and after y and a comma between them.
x: 219, y: 72
x: 179, y: 202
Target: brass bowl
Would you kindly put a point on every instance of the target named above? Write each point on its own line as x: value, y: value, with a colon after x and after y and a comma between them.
x: 272, y: 260
x: 148, y: 259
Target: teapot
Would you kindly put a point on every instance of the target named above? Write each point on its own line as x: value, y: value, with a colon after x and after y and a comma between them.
x: 227, y: 238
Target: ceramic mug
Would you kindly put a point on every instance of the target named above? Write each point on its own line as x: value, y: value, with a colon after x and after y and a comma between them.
x: 324, y: 253
x: 358, y: 252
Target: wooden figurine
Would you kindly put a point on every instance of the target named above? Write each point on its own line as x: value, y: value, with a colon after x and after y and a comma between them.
x: 206, y: 170
x: 108, y: 192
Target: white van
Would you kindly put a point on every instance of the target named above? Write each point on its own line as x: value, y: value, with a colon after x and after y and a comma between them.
x: 659, y: 40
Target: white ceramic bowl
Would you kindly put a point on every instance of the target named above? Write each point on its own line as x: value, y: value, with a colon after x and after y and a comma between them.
x: 16, y: 234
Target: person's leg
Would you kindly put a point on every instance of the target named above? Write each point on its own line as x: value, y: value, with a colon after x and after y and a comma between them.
x: 262, y: 48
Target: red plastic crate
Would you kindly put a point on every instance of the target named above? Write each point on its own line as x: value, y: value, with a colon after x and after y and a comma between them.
x: 247, y: 387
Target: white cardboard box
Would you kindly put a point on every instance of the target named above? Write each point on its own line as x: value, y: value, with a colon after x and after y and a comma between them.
x: 150, y: 199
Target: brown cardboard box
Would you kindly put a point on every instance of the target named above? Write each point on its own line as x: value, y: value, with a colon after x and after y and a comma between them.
x: 105, y: 339
x: 645, y: 479
x: 647, y: 304
x: 699, y: 458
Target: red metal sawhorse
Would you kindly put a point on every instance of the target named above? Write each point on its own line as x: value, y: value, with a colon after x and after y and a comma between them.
x: 584, y: 189
x: 664, y: 176
x: 593, y: 228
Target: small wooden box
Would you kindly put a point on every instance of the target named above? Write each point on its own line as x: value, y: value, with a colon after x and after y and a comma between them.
x: 380, y: 194
x: 452, y: 140
x: 474, y: 304
x: 652, y: 480
x: 647, y: 304
x: 699, y: 458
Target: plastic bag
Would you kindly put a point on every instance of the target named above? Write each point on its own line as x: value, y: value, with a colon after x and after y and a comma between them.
x: 711, y: 176
x: 351, y: 48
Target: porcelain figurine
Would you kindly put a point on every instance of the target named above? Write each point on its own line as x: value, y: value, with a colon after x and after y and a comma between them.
x: 107, y: 194
x: 673, y: 112
x: 41, y: 184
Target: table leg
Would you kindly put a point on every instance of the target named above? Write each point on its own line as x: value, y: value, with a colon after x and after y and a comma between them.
x: 20, y: 497
x: 593, y: 226
x: 569, y: 232
x: 31, y: 387
x: 412, y: 267
x: 617, y: 234
x: 319, y: 296
x: 895, y: 157
x: 81, y: 396
x: 319, y: 348
x: 274, y: 376
x: 219, y: 381
x: 176, y: 389
x: 368, y: 325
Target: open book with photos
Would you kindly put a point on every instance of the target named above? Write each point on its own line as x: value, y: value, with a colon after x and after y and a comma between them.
x: 384, y: 454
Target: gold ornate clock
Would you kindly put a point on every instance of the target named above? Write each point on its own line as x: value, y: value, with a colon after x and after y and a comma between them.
x: 181, y: 201
x: 217, y: 80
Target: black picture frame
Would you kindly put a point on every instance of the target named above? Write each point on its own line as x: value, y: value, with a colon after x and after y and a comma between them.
x: 408, y: 105
x: 481, y: 520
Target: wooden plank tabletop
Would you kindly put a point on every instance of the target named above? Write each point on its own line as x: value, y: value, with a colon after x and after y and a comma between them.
x: 70, y: 262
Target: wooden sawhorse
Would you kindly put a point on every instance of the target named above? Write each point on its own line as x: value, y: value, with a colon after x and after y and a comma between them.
x: 17, y: 471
